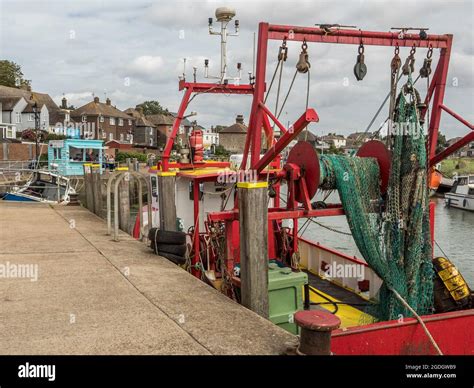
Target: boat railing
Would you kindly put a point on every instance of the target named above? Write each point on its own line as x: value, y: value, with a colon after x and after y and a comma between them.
x: 349, y: 272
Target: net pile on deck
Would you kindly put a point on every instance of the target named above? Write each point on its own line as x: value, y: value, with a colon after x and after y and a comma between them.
x: 392, y: 234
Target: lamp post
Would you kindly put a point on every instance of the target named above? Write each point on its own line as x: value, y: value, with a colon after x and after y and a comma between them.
x: 37, y: 126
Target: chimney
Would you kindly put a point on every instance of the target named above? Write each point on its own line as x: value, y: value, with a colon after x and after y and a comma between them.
x: 96, y: 100
x: 64, y: 103
x: 239, y: 119
x: 108, y: 102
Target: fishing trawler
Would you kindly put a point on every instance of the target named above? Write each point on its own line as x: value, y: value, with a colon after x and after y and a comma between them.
x: 304, y: 274
x: 461, y: 195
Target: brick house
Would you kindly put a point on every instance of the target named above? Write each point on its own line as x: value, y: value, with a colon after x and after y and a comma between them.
x: 163, y: 124
x: 232, y: 138
x: 105, y: 122
x: 145, y: 132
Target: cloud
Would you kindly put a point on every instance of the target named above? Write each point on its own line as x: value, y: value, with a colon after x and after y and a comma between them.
x: 146, y: 41
x: 146, y: 66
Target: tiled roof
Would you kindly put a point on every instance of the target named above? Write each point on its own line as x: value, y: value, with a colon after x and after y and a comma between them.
x: 235, y: 128
x: 99, y: 108
x: 140, y: 118
x: 161, y: 119
x: 32, y: 97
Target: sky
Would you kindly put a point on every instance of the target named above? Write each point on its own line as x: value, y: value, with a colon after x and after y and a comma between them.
x: 133, y: 50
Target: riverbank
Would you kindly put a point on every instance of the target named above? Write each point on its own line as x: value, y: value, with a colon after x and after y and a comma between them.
x: 459, y: 166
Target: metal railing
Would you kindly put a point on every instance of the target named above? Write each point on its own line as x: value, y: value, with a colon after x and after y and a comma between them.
x: 113, y: 184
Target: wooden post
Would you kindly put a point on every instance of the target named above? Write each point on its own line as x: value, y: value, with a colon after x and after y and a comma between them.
x: 97, y: 196
x: 124, y: 203
x: 253, y: 226
x: 167, y: 200
x: 89, y: 187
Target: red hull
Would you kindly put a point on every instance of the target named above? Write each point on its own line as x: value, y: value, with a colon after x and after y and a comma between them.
x: 452, y: 332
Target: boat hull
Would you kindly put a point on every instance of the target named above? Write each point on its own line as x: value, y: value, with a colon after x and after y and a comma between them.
x: 407, y: 337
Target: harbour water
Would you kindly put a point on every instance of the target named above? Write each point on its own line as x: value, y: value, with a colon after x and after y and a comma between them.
x: 454, y: 233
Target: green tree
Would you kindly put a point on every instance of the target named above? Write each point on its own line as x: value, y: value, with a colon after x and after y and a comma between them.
x: 11, y: 74
x: 334, y: 150
x: 152, y: 108
x: 442, y: 143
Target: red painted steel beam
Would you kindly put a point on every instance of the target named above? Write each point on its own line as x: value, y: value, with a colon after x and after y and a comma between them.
x: 197, y: 253
x: 438, y: 98
x: 452, y: 148
x: 279, y: 214
x: 254, y: 137
x: 456, y: 116
x: 177, y: 122
x: 343, y: 36
x: 302, y: 213
x: 205, y: 87
x: 309, y: 116
x: 272, y: 116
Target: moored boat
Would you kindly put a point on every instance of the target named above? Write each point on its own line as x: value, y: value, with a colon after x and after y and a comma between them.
x: 461, y: 195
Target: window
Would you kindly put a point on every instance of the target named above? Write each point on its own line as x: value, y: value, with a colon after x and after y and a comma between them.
x: 84, y: 118
x: 104, y: 135
x: 31, y: 117
x: 121, y: 122
x: 129, y: 122
x: 18, y: 117
x: 111, y: 136
x: 121, y: 137
x: 112, y: 121
x: 101, y: 119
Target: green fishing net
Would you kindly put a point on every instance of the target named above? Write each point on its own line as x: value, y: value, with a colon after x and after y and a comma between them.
x: 392, y: 233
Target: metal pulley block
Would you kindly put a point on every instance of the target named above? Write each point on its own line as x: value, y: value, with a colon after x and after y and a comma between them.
x: 283, y: 52
x: 425, y: 70
x: 396, y: 61
x: 303, y: 64
x: 360, y: 68
x: 409, y: 66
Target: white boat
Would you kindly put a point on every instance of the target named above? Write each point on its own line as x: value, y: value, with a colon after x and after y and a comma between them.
x: 43, y: 186
x: 462, y: 194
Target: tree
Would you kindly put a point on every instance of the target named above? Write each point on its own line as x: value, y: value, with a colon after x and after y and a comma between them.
x: 11, y: 74
x: 334, y: 150
x: 152, y: 108
x: 442, y: 143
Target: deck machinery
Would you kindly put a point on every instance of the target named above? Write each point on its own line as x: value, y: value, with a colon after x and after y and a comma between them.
x: 218, y: 244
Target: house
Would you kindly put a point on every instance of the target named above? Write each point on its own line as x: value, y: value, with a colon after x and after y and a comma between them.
x: 351, y: 147
x: 210, y: 137
x: 309, y: 137
x: 360, y: 137
x: 104, y: 121
x: 466, y: 151
x: 7, y: 129
x: 20, y: 104
x: 163, y: 124
x: 232, y: 138
x: 337, y: 141
x: 145, y: 132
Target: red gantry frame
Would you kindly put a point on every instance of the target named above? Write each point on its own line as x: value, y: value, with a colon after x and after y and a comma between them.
x: 261, y: 115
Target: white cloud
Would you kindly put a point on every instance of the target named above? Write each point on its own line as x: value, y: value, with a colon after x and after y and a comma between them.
x: 146, y: 66
x: 141, y: 40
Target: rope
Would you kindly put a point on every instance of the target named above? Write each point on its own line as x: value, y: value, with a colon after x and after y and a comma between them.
x: 404, y: 302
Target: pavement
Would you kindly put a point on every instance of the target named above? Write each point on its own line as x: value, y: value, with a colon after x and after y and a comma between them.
x: 92, y: 295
